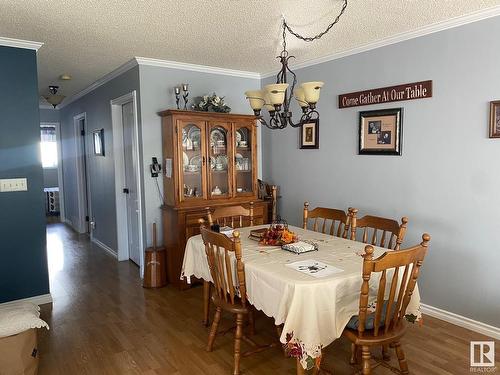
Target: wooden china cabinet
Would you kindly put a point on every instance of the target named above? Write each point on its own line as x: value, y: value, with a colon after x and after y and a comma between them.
x: 210, y: 160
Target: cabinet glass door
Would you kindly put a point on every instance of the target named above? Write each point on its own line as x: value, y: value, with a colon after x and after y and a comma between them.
x: 219, y: 154
x: 244, y: 143
x: 192, y: 159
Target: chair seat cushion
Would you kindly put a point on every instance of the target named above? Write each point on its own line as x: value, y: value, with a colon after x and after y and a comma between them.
x: 370, y: 318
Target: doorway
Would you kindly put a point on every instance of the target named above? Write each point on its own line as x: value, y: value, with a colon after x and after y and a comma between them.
x: 81, y: 223
x: 50, y: 144
x: 127, y: 178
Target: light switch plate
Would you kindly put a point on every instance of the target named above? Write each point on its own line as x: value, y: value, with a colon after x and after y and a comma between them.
x: 13, y: 184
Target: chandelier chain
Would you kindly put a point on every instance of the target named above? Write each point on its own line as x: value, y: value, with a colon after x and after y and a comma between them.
x: 317, y: 36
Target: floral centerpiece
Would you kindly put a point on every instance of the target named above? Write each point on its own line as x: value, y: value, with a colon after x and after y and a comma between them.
x: 278, y: 234
x: 212, y: 103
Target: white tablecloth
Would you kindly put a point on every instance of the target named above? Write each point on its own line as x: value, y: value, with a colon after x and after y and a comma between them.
x: 314, y: 311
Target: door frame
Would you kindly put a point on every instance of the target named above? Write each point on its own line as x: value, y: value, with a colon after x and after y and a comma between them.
x: 119, y: 162
x: 82, y: 176
x: 60, y: 180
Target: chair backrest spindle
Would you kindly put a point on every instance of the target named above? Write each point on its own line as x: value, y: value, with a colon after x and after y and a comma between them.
x: 392, y: 232
x: 233, y: 216
x: 400, y: 288
x: 339, y: 221
x: 219, y: 249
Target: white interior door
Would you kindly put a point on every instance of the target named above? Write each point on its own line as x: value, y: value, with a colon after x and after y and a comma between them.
x: 130, y: 164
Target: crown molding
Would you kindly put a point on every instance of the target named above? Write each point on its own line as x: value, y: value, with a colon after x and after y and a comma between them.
x: 101, y: 81
x: 19, y: 43
x: 422, y: 31
x: 145, y: 61
x: 47, y: 106
x: 196, y: 68
x: 159, y: 63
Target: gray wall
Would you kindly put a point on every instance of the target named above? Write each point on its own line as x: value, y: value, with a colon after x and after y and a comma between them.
x: 50, y: 178
x: 447, y: 179
x: 97, y: 107
x: 49, y: 115
x: 157, y: 85
x: 23, y: 269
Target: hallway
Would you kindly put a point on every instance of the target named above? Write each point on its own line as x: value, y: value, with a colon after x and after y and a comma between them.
x: 103, y: 322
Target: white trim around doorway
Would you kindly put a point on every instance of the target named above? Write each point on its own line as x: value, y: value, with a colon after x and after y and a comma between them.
x: 121, y: 203
x: 60, y: 180
x: 81, y: 179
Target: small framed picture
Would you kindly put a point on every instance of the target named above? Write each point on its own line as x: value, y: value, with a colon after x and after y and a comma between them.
x: 309, y: 135
x: 98, y: 136
x: 495, y: 119
x: 381, y: 132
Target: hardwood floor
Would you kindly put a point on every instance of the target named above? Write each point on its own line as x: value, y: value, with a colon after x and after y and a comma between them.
x: 103, y: 322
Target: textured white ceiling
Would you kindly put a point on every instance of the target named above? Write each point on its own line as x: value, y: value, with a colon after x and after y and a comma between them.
x: 90, y: 38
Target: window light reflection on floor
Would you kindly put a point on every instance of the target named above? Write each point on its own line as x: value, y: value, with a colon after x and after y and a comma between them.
x: 55, y: 254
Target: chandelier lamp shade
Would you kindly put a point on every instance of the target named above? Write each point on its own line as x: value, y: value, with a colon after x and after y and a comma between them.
x: 276, y: 98
x: 53, y: 98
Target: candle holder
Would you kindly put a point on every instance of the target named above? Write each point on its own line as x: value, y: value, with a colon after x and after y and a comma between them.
x: 185, y: 88
x: 177, y: 91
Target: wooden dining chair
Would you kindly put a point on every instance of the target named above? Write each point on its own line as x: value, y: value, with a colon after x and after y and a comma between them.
x: 328, y: 220
x: 391, y: 232
x: 229, y: 289
x: 233, y: 216
x: 387, y: 324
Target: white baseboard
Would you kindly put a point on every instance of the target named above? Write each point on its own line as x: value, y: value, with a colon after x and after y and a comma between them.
x: 37, y: 300
x: 104, y: 247
x: 461, y: 321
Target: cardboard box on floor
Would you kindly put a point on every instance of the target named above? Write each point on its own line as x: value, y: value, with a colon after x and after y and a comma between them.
x: 19, y: 354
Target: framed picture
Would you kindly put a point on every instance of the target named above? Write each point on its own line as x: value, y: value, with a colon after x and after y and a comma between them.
x: 381, y: 132
x: 98, y: 136
x: 495, y: 119
x: 309, y: 135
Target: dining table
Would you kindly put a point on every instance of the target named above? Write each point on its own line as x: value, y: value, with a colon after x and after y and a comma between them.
x: 313, y: 307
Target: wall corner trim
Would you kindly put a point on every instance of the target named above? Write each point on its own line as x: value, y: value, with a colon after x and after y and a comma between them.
x: 19, y: 43
x: 196, y: 68
x: 401, y: 37
x: 104, y: 247
x: 461, y: 321
x: 37, y: 300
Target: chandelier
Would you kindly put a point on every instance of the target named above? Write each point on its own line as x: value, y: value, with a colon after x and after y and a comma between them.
x: 53, y: 98
x: 277, y: 97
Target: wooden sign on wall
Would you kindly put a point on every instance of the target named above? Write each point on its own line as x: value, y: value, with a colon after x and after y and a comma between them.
x: 408, y: 91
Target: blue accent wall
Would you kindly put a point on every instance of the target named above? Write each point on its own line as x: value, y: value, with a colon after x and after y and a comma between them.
x: 23, y: 269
